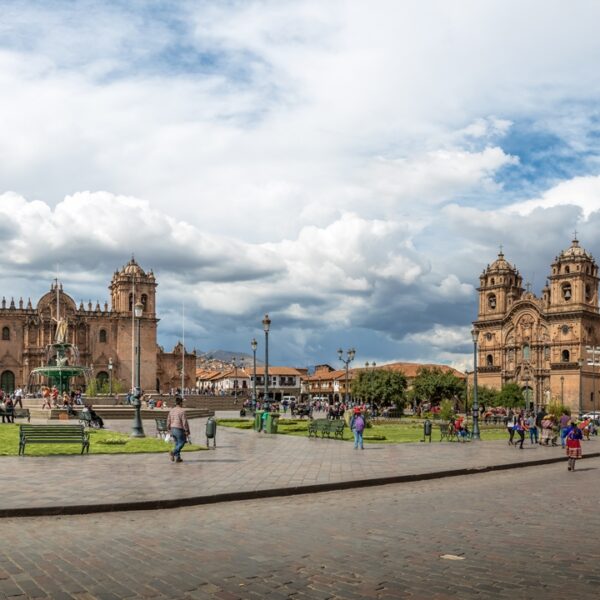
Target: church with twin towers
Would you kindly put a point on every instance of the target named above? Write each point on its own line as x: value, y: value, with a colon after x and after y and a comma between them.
x: 544, y: 344
x: 103, y: 334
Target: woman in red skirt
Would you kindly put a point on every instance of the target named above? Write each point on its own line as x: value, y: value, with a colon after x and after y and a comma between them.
x: 574, y: 437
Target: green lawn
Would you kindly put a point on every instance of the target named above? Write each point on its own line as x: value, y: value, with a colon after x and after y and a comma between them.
x: 101, y: 442
x: 379, y: 434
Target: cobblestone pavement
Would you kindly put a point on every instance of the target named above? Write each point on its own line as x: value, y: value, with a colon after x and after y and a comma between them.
x: 244, y: 461
x: 529, y: 533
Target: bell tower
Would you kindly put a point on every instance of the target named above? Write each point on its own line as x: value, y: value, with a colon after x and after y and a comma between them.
x: 574, y: 281
x: 500, y: 286
x: 130, y: 286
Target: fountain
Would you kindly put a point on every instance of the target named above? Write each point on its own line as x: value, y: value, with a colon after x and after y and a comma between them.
x: 61, y: 367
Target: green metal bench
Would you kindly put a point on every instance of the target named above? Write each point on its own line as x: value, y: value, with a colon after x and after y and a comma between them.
x: 337, y: 428
x: 326, y: 427
x: 22, y: 413
x: 53, y: 434
x: 447, y: 432
x: 16, y: 413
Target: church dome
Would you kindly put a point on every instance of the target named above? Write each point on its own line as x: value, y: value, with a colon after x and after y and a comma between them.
x: 574, y: 251
x: 501, y: 264
x: 132, y: 268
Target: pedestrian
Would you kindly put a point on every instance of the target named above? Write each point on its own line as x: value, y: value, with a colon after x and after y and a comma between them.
x: 19, y: 397
x: 510, y: 426
x: 565, y: 419
x: 533, y: 430
x: 178, y: 426
x: 357, y: 426
x: 9, y: 410
x: 520, y: 429
x: 573, y: 441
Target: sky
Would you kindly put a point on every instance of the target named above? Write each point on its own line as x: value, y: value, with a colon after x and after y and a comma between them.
x: 348, y: 167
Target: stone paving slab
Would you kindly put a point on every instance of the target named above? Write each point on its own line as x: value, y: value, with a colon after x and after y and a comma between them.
x: 244, y: 465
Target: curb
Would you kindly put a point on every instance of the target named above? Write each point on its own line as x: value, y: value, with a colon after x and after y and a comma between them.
x: 86, y: 509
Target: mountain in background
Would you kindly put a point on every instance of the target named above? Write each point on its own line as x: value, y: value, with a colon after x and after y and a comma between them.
x: 226, y: 357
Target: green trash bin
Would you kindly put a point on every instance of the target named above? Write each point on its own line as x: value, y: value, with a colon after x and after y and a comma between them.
x: 272, y: 422
x: 258, y: 420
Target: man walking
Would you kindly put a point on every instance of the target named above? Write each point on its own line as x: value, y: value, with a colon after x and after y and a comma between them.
x: 177, y: 425
x: 19, y: 397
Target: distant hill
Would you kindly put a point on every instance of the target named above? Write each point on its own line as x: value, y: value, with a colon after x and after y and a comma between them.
x: 226, y: 356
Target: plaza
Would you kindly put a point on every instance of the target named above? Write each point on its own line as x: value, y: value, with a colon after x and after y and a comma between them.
x: 281, y: 516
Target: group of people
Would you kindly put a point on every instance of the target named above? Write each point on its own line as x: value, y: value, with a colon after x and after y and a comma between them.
x: 54, y: 399
x: 545, y: 429
x: 8, y: 403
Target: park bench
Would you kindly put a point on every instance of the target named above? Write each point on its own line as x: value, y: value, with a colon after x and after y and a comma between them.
x: 53, y: 434
x: 326, y: 427
x: 447, y: 432
x: 85, y: 419
x: 17, y: 413
x: 161, y: 427
x: 22, y: 413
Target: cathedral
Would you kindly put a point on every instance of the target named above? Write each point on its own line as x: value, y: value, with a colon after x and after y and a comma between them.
x: 544, y: 344
x: 104, y: 336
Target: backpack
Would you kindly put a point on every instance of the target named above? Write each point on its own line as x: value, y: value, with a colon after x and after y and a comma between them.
x: 359, y: 423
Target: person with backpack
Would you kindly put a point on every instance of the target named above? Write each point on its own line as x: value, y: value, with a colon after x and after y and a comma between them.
x: 357, y: 426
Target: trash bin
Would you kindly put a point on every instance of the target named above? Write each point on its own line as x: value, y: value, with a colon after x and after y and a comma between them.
x: 272, y: 422
x: 427, y: 429
x: 258, y: 420
x: 211, y: 432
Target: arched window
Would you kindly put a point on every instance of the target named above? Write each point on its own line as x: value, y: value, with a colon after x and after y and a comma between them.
x: 565, y: 356
x: 489, y: 360
x: 567, y: 270
x: 492, y: 301
x: 526, y: 352
x: 547, y: 352
x: 130, y: 301
x: 6, y: 333
x: 102, y: 336
x: 102, y: 378
x: 144, y: 301
x: 566, y: 291
x: 7, y: 381
x: 588, y: 292
x: 493, y: 281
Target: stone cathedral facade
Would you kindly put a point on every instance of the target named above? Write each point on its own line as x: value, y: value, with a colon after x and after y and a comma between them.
x: 103, y: 335
x: 542, y: 343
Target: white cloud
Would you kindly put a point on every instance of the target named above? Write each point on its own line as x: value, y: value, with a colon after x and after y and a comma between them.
x: 309, y: 157
x: 583, y: 192
x: 441, y: 337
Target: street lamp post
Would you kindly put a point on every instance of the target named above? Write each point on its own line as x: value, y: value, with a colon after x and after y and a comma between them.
x: 235, y: 379
x: 562, y: 390
x: 266, y: 326
x: 349, y: 358
x: 253, y: 345
x: 137, y: 429
x: 476, y: 435
x: 467, y: 373
x: 110, y: 368
x: 580, y: 362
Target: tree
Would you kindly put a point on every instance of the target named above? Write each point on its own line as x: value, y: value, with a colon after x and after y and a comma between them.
x: 487, y: 396
x: 380, y: 386
x: 511, y: 396
x: 434, y: 384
